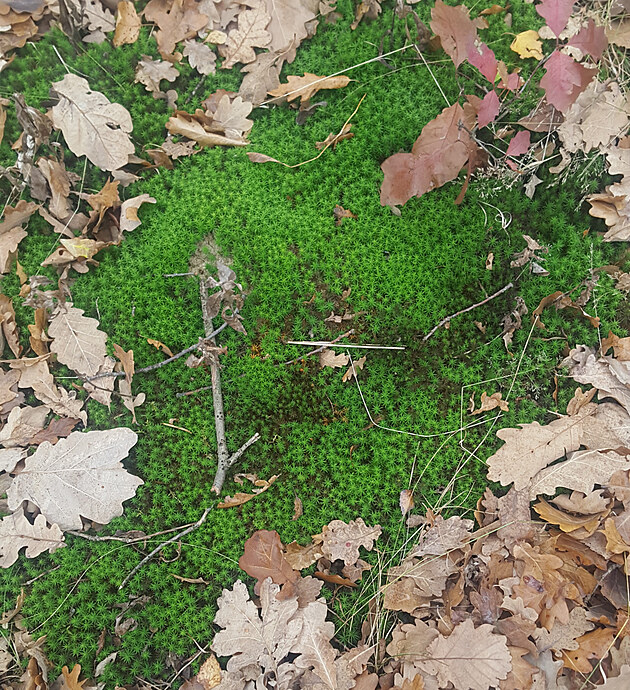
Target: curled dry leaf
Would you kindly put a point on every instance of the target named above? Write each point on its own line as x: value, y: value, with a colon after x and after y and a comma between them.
x: 490, y: 402
x: 91, y: 125
x: 185, y: 124
x: 328, y: 358
x: 81, y: 475
x: 307, y: 86
x: 406, y: 501
x: 12, y: 232
x: 150, y: 73
x: 251, y: 33
x: 352, y: 369
x: 238, y: 499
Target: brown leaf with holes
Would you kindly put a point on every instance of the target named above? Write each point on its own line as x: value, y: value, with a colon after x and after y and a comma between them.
x: 342, y: 540
x: 128, y: 24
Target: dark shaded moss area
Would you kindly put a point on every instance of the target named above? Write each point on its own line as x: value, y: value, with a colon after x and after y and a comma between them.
x: 277, y: 227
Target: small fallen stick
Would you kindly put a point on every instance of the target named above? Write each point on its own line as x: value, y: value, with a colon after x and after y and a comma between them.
x: 443, y: 322
x: 224, y: 459
x: 157, y: 549
x: 331, y: 343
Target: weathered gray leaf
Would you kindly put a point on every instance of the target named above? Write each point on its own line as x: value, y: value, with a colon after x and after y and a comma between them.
x: 91, y: 125
x: 77, y: 342
x: 79, y: 476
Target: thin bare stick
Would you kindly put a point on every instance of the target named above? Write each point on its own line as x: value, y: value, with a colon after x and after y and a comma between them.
x: 177, y: 275
x: 128, y: 540
x: 505, y: 288
x: 157, y: 549
x: 224, y: 459
x: 331, y: 343
x: 153, y: 367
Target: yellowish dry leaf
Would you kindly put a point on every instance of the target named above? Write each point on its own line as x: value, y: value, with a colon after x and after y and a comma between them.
x: 307, y: 86
x: 528, y: 45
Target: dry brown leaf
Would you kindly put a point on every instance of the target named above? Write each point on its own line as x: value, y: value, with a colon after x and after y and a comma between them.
x: 300, y: 557
x: 470, y: 658
x: 334, y: 138
x: 239, y: 498
x: 129, y: 220
x: 3, y: 115
x: 328, y: 358
x: 76, y: 340
x: 177, y: 20
x: 620, y: 346
x: 444, y: 536
x: 12, y: 232
x: 128, y: 24
x: 406, y: 501
x: 186, y: 125
x: 58, y: 428
x: 342, y: 540
x: 201, y: 57
x: 81, y: 475
x: 565, y: 521
x: 287, y: 25
x: 251, y: 33
x: 160, y: 346
x: 490, y: 402
x: 150, y: 73
x: 351, y: 372
x: 23, y: 423
x: 17, y: 532
x: 307, y: 86
x: 130, y: 401
x: 126, y: 359
x: 263, y: 558
x: 59, y: 183
x: 9, y: 325
x: 298, y: 508
x: 101, y: 389
x: 230, y: 117
x: 340, y: 213
x: 91, y: 125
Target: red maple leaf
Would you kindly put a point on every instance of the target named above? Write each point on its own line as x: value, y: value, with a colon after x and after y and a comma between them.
x: 556, y: 12
x: 483, y: 58
x: 519, y: 144
x: 564, y: 80
x: 455, y: 29
x: 590, y: 39
x: 488, y: 109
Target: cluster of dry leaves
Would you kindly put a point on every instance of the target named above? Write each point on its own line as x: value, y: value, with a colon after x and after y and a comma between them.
x: 587, y: 114
x: 511, y: 602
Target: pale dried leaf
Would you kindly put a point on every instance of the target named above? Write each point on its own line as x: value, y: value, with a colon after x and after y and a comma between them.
x: 342, y: 540
x: 150, y: 73
x: 307, y: 86
x: 76, y: 340
x: 17, y: 532
x: 23, y: 423
x: 231, y: 117
x: 130, y: 401
x: 328, y: 358
x: 201, y: 57
x: 352, y: 369
x: 129, y: 212
x: 128, y: 24
x: 101, y: 388
x: 91, y: 125
x: 251, y: 33
x: 79, y: 476
x: 186, y: 125
x: 471, y: 658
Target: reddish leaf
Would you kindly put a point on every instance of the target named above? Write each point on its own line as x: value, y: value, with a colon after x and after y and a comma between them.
x: 263, y: 557
x: 556, y: 12
x: 564, y: 80
x: 58, y: 428
x: 483, y: 58
x: 438, y: 155
x: 590, y: 39
x: 457, y: 32
x: 489, y: 109
x: 519, y: 144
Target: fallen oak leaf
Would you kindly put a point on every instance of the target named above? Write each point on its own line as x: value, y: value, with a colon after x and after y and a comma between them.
x: 263, y: 558
x: 150, y: 73
x: 58, y: 428
x: 251, y: 33
x: 328, y: 358
x: 177, y: 21
x: 490, y: 402
x: 342, y: 540
x: 239, y: 498
x: 307, y: 86
x: 160, y: 346
x: 351, y: 372
x: 92, y: 126
x: 12, y: 232
x: 17, y: 532
x: 81, y: 475
x: 528, y: 45
x: 200, y: 57
x: 9, y: 325
x: 185, y: 124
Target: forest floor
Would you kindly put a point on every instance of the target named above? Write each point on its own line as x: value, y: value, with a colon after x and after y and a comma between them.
x: 316, y: 256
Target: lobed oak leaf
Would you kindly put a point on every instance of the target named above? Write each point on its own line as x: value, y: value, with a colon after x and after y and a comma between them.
x: 230, y: 117
x: 564, y: 80
x: 342, y: 540
x: 556, y: 13
x: 470, y: 658
x: 201, y: 57
x: 81, y: 475
x: 251, y: 33
x: 76, y: 340
x: 328, y: 358
x: 287, y: 25
x: 186, y: 125
x: 490, y: 402
x: 91, y: 125
x: 457, y: 32
x: 177, y: 20
x: 17, y: 532
x: 590, y: 39
x: 22, y: 425
x: 150, y: 73
x: 444, y: 536
x: 12, y: 232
